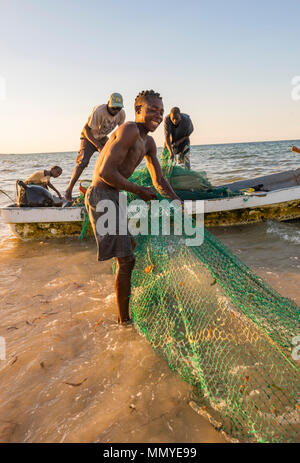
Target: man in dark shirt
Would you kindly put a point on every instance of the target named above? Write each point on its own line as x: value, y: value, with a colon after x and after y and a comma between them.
x: 178, y: 128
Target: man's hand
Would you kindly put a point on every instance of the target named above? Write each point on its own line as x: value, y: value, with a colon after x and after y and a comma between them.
x: 146, y: 193
x: 171, y: 153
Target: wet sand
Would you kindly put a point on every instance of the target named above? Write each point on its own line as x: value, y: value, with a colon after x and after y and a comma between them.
x: 67, y: 380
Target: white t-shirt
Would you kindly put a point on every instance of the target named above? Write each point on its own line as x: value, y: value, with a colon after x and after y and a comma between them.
x: 101, y: 122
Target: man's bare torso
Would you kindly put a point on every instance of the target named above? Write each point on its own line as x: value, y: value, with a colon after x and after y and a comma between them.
x: 134, y: 156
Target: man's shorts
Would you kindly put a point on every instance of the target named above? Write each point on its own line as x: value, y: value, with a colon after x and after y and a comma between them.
x: 108, y: 245
x: 87, y: 149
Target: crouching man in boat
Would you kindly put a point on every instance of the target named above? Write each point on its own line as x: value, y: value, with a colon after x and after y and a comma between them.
x: 103, y: 119
x: 42, y: 178
x: 178, y: 128
x: 295, y: 149
x: 124, y: 151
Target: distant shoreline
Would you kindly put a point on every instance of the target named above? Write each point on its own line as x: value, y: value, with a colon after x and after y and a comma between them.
x: 204, y: 144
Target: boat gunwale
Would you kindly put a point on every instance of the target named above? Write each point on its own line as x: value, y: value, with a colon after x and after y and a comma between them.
x: 76, y: 214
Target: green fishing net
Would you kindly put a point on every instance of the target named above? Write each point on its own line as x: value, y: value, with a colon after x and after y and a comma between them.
x: 188, y: 184
x: 185, y: 179
x: 223, y: 329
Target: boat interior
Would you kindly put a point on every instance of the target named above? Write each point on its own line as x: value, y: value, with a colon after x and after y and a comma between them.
x: 287, y: 179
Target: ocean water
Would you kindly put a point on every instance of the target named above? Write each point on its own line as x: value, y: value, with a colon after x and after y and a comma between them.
x: 65, y: 376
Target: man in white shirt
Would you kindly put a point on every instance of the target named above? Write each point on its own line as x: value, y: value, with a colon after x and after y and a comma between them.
x: 103, y: 119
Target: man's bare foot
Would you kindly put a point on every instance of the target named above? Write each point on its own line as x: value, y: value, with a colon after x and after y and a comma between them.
x: 128, y: 322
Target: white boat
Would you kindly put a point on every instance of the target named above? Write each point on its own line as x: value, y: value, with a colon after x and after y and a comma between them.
x: 278, y: 198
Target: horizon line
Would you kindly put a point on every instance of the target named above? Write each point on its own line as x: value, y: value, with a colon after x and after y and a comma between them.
x: 204, y: 144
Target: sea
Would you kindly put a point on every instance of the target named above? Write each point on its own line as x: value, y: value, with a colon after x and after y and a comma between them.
x: 68, y: 372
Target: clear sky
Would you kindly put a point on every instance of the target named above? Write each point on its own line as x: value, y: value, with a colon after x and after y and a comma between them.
x: 229, y: 64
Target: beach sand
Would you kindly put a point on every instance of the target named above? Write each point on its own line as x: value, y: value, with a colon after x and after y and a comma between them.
x: 67, y: 380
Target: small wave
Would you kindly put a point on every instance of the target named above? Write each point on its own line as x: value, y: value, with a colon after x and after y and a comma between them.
x: 285, y: 231
x: 8, y: 242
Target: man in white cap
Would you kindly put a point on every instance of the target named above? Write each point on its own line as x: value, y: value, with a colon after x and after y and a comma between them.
x: 103, y: 119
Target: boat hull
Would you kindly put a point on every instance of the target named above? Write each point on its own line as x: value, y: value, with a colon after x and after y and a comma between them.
x: 41, y: 223
x: 47, y: 230
x: 281, y: 212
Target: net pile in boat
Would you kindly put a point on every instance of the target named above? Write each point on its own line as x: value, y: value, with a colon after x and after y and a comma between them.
x: 188, y: 184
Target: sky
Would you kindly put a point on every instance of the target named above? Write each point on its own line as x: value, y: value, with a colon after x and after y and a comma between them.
x: 228, y: 64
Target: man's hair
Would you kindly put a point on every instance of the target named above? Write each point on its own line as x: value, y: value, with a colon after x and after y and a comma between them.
x: 145, y: 95
x: 175, y: 110
x: 57, y: 168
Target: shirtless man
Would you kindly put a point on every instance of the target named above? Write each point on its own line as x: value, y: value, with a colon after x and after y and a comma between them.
x: 103, y: 119
x: 124, y: 151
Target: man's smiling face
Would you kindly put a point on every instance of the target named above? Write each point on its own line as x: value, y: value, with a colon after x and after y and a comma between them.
x: 151, y: 113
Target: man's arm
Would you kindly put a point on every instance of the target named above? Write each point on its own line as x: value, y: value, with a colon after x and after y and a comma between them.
x: 295, y: 149
x: 177, y: 143
x: 88, y: 134
x: 160, y: 183
x: 109, y: 170
x: 168, y: 144
x: 53, y: 188
x: 122, y: 117
x: 191, y: 128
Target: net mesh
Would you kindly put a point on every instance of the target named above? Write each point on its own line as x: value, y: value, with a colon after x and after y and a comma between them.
x: 222, y: 328
x: 188, y: 184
